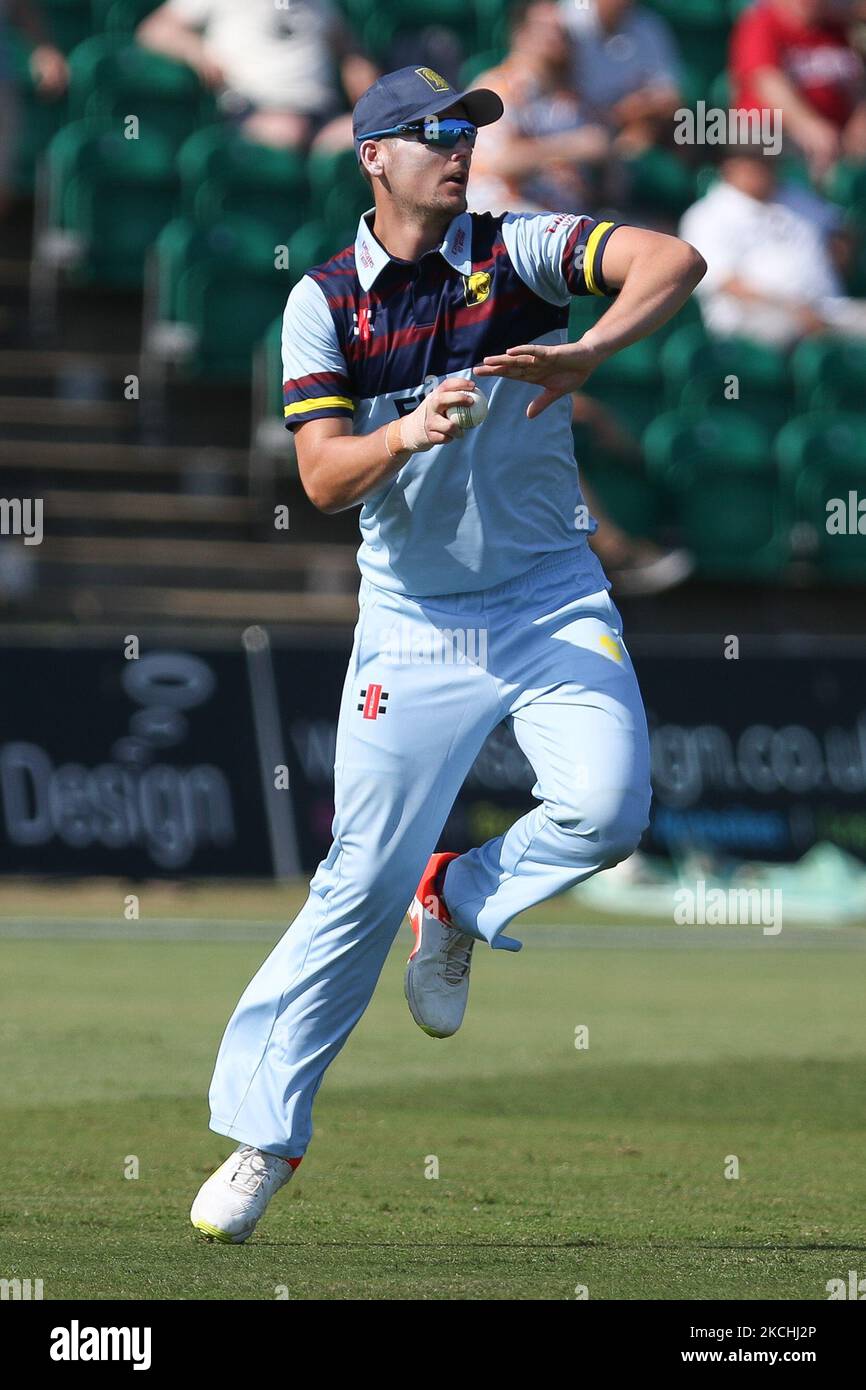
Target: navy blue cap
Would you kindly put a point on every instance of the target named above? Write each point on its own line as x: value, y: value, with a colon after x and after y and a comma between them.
x: 410, y: 94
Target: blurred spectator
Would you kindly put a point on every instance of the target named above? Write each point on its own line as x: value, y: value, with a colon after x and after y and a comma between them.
x: 48, y: 67
x: 544, y: 153
x: 626, y: 66
x: 276, y: 69
x: 794, y: 56
x: 770, y: 273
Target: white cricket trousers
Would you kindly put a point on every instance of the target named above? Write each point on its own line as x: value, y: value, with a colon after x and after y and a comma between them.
x: 428, y: 680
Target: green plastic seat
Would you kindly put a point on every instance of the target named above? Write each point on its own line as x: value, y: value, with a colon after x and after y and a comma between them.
x: 701, y: 29
x: 698, y: 369
x: 480, y: 62
x: 39, y: 121
x: 114, y: 79
x: 634, y: 404
x: 344, y: 207
x: 855, y: 280
x: 68, y: 22
x: 311, y: 245
x: 694, y: 441
x: 829, y: 373
x: 822, y: 460
x: 182, y: 244
x: 229, y: 305
x: 636, y: 365
x: 491, y: 18
x: 121, y: 16
x: 477, y: 23
x: 629, y: 384
x: 583, y: 312
x: 720, y: 93
x: 662, y: 182
x: 222, y: 284
x: 628, y: 496
x: 335, y: 170
x: 222, y: 174
x: 718, y: 468
x: 116, y: 194
x: 847, y: 184
x: 71, y: 150
x: 454, y: 14
x: 705, y: 178
x: 272, y: 348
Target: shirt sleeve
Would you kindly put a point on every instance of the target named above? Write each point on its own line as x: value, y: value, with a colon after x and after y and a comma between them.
x: 316, y: 383
x: 754, y: 44
x: 558, y: 255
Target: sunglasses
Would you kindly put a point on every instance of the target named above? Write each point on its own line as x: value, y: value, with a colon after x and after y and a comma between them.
x: 441, y: 134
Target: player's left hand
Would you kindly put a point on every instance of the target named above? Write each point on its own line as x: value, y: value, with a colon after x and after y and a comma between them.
x: 560, y: 368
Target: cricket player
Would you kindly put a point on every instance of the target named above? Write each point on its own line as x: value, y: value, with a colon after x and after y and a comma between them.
x: 480, y: 600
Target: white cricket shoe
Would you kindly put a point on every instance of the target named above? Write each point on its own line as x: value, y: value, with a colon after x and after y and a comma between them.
x: 230, y: 1203
x: 437, y: 975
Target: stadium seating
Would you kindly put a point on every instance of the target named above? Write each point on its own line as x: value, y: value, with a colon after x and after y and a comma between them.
x: 829, y: 373
x: 38, y: 121
x: 661, y: 185
x: 848, y: 184
x: 478, y: 64
x: 698, y: 370
x: 68, y: 22
x: 338, y: 193
x: 121, y: 16
x: 111, y: 196
x: 219, y: 286
x: 822, y: 458
x: 633, y: 501
x: 312, y: 244
x: 718, y: 468
x: 701, y: 28
x: 272, y: 446
x: 112, y: 79
x: 223, y: 174
x: 630, y: 384
x: 213, y: 207
x: 478, y: 23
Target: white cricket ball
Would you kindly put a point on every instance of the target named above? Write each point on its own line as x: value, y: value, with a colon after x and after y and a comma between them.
x: 470, y: 415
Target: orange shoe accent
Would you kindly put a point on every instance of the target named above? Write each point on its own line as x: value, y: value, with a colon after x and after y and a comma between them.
x: 428, y: 895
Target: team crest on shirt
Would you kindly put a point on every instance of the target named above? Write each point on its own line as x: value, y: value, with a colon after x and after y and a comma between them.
x: 434, y: 80
x: 476, y: 287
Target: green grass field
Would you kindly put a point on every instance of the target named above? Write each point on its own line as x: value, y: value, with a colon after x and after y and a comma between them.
x: 558, y: 1167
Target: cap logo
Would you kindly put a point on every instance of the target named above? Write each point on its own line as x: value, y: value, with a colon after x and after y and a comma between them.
x: 434, y: 80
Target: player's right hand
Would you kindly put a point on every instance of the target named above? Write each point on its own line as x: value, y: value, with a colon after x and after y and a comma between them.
x: 428, y: 425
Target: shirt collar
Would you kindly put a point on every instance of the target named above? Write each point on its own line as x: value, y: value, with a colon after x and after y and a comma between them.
x: 371, y: 257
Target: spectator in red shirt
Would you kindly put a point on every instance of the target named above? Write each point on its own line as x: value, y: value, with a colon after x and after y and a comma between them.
x: 794, y: 55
